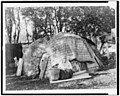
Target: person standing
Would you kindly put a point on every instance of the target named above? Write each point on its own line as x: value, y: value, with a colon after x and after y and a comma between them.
x: 19, y: 65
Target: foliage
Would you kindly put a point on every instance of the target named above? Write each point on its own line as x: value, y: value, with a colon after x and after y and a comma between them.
x: 88, y: 21
x: 41, y: 18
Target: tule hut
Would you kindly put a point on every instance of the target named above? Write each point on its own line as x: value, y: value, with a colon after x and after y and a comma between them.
x: 42, y: 55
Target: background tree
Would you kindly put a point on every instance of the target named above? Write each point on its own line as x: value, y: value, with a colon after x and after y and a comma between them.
x: 98, y: 20
x: 17, y: 24
x: 12, y: 20
x: 26, y: 25
x: 9, y: 18
x: 87, y: 21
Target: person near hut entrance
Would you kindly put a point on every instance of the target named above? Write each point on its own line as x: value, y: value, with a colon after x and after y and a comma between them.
x: 19, y: 64
x: 61, y: 69
x: 66, y: 71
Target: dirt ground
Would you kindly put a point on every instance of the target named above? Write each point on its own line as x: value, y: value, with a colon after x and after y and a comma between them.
x: 102, y: 79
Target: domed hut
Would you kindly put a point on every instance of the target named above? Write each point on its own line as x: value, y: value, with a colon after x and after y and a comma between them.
x: 42, y: 55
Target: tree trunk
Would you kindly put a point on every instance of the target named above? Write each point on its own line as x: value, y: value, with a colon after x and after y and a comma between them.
x: 14, y: 36
x: 27, y: 35
x: 45, y: 25
x: 34, y: 33
x: 10, y: 38
x: 18, y: 36
x: 56, y: 23
x: 18, y: 25
x: 9, y: 20
x: 14, y: 21
x: 59, y: 19
x: 50, y: 31
x: 10, y: 31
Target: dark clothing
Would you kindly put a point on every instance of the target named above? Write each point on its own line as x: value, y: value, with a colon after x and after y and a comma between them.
x: 65, y: 74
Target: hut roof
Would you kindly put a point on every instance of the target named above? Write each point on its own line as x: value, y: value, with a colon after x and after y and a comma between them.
x: 71, y: 46
x: 89, y: 41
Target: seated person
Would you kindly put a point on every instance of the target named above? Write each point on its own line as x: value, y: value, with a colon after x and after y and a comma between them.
x: 65, y: 74
x: 62, y: 70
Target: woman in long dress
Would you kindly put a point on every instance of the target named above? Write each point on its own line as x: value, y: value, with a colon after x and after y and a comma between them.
x: 19, y: 65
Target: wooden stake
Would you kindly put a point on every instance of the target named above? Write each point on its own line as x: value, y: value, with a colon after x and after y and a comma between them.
x: 44, y: 66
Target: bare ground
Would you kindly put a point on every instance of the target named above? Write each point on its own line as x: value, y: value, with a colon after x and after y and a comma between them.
x: 102, y: 79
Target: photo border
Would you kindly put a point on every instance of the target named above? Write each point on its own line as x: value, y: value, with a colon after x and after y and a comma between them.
x: 117, y: 30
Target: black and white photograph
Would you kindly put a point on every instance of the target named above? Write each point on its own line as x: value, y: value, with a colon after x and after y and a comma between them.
x: 59, y: 47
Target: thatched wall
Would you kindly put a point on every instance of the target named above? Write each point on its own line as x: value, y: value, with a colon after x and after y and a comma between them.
x: 32, y: 57
x: 70, y: 46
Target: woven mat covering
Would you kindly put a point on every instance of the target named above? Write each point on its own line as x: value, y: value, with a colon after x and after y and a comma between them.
x: 65, y: 44
x: 32, y: 57
x: 70, y: 46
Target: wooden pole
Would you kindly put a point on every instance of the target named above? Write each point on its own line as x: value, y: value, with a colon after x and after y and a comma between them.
x: 107, y: 50
x: 43, y: 65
